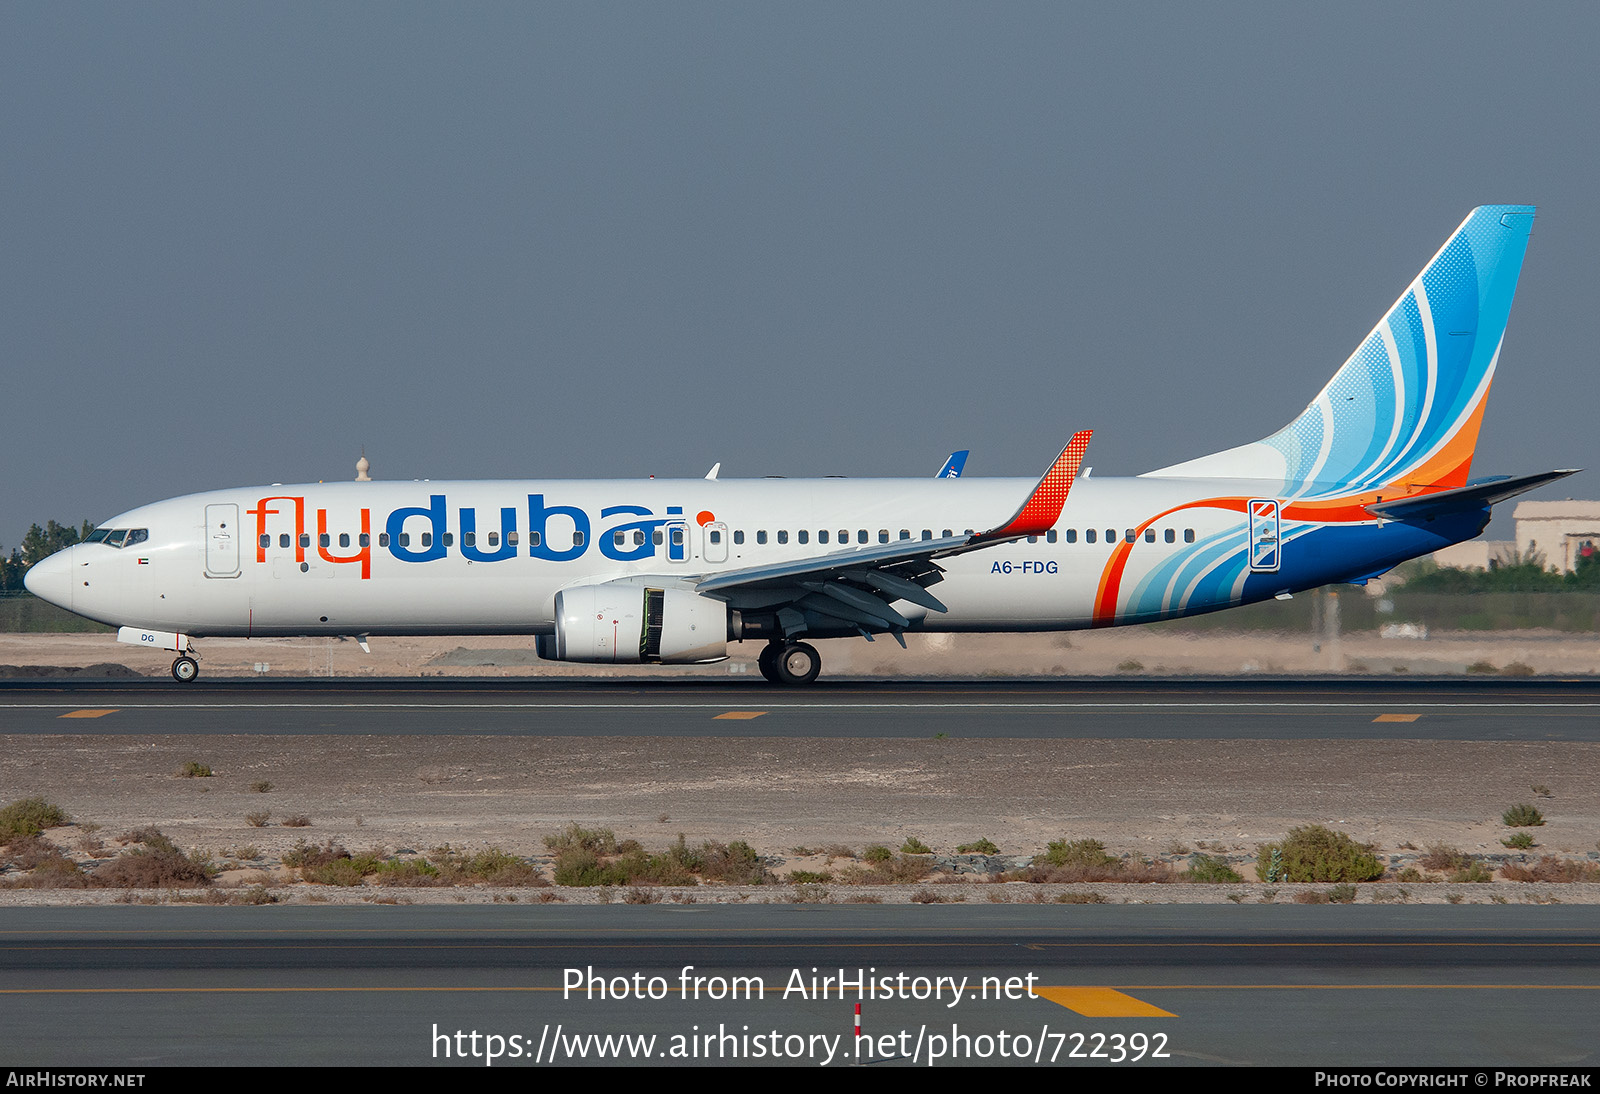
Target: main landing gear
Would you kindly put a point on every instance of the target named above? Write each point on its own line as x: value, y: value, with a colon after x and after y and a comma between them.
x: 185, y: 669
x: 789, y: 663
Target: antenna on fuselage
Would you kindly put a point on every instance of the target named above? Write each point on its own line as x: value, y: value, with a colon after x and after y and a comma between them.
x: 362, y: 467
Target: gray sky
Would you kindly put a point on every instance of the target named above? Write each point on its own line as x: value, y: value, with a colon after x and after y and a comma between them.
x: 572, y: 240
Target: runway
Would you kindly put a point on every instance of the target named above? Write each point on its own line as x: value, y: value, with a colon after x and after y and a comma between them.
x: 1294, y: 985
x: 1441, y: 709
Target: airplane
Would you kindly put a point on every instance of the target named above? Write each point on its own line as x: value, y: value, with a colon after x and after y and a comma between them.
x: 658, y: 571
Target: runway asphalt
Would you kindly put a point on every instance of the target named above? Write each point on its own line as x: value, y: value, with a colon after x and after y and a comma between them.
x: 1187, y: 708
x: 1295, y: 985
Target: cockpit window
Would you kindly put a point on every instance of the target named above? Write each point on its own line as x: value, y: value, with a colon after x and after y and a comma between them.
x: 118, y: 537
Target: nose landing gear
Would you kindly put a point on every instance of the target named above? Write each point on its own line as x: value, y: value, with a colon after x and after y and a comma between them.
x: 185, y: 669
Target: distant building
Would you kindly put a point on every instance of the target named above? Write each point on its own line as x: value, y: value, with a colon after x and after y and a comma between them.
x: 1562, y: 532
x: 1476, y: 554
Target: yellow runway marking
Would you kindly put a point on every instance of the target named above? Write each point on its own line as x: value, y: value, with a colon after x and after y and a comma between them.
x: 89, y: 713
x: 1102, y: 1003
x: 1397, y: 718
x: 739, y: 715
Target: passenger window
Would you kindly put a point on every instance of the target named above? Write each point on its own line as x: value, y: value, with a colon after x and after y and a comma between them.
x: 365, y: 539
x: 883, y: 535
x: 638, y: 537
x: 494, y: 539
x: 1188, y: 535
x: 1171, y: 536
x: 738, y: 536
x: 657, y: 538
x: 947, y: 533
x: 514, y: 538
x: 383, y: 539
x: 405, y: 539
x: 1111, y: 535
x: 577, y: 539
x: 716, y: 536
x: 803, y: 536
x: 927, y: 533
x: 822, y: 536
x: 619, y: 538
x: 449, y: 539
x: 305, y: 539
x: 677, y: 537
x: 761, y: 536
x: 862, y: 537
x: 427, y: 539
x: 1050, y: 536
x: 1088, y: 535
x: 324, y: 540
x: 905, y: 533
x: 1033, y: 539
x: 1149, y: 535
x: 783, y: 536
x: 1072, y: 535
x: 470, y: 539
x: 344, y: 539
x: 1131, y: 535
x: 266, y: 540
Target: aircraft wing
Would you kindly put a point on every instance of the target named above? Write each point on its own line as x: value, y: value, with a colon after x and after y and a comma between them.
x: 1471, y: 496
x: 859, y: 586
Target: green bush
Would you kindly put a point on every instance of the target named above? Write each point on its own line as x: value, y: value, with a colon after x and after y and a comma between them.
x: 1081, y: 852
x: 194, y: 769
x: 914, y: 846
x: 1519, y: 841
x: 1211, y: 870
x: 983, y: 846
x: 1522, y: 815
x: 877, y: 853
x: 1315, y: 853
x: 29, y: 817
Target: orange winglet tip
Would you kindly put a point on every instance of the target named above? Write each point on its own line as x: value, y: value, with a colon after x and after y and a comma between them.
x: 1043, y: 507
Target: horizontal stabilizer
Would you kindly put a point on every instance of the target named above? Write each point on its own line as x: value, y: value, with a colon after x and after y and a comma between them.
x: 1471, y: 496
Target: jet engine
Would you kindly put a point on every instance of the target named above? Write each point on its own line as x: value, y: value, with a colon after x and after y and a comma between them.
x: 616, y: 624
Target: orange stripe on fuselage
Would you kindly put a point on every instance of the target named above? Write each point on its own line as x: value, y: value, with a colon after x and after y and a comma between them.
x: 1105, y: 598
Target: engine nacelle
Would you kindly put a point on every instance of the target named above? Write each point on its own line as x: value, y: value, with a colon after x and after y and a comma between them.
x: 615, y: 624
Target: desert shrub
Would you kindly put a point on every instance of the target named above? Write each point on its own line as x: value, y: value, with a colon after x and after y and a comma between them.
x: 1483, y: 667
x: 1314, y: 853
x: 1473, y: 872
x: 1519, y: 841
x: 194, y: 770
x: 1211, y: 870
x: 1522, y: 815
x: 303, y: 854
x: 979, y: 847
x: 299, y: 820
x: 151, y: 837
x: 877, y: 853
x: 411, y: 873
x: 636, y: 895
x: 810, y: 877
x: 496, y: 867
x: 151, y: 867
x: 1517, y: 668
x: 895, y: 870
x: 257, y: 820
x: 599, y: 841
x: 340, y: 871
x: 1082, y: 852
x: 735, y: 863
x: 932, y: 896
x: 1080, y: 898
x: 1342, y: 894
x: 261, y: 787
x: 914, y: 846
x: 29, y: 817
x: 1441, y: 857
x: 1550, y: 868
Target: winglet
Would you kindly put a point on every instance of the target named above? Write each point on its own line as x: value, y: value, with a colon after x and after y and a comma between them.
x: 1043, y: 507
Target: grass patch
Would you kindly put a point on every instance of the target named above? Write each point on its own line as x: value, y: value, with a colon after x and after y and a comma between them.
x: 1518, y: 841
x: 914, y: 846
x: 978, y: 847
x: 29, y: 817
x: 194, y: 769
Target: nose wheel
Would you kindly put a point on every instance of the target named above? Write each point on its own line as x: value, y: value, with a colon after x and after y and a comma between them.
x: 185, y: 669
x: 790, y: 663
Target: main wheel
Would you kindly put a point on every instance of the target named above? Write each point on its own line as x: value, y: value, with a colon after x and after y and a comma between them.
x: 185, y: 669
x: 797, y: 664
x: 767, y: 661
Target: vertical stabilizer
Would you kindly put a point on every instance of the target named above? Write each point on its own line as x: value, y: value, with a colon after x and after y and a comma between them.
x: 1403, y: 412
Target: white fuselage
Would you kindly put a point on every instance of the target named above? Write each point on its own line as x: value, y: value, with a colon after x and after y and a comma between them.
x: 254, y: 562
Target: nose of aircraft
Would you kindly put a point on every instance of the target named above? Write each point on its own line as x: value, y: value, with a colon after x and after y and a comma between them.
x: 51, y: 579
